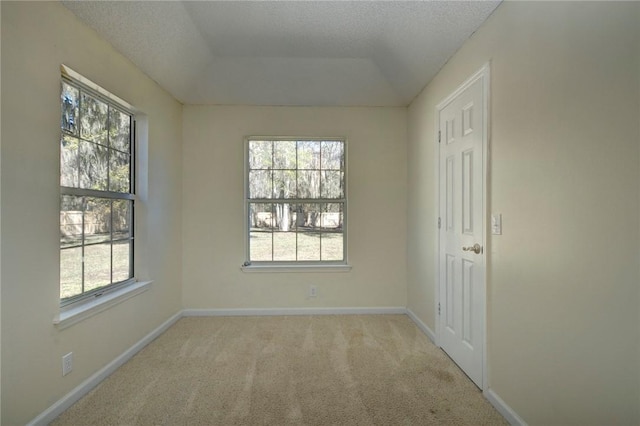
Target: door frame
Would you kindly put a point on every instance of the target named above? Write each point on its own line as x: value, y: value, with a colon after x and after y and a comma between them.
x: 484, y: 74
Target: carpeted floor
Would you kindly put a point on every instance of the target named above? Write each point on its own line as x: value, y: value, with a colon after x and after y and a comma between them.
x: 296, y: 370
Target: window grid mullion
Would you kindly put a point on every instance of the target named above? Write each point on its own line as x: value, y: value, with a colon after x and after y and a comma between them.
x: 320, y: 189
x: 109, y: 147
x: 84, y: 209
x: 96, y: 193
x: 297, y: 200
x: 111, y: 241
x: 132, y: 156
x: 79, y: 130
x: 273, y: 206
x: 321, y: 233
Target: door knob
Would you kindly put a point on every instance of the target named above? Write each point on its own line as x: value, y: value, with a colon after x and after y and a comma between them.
x: 476, y: 248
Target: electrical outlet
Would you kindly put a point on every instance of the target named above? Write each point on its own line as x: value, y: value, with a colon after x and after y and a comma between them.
x: 313, y: 291
x: 67, y: 363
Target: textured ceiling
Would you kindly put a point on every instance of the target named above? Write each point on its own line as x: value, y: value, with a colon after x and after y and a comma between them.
x: 351, y: 53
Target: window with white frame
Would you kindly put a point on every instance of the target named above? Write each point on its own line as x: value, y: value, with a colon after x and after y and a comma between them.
x: 96, y: 192
x: 295, y: 201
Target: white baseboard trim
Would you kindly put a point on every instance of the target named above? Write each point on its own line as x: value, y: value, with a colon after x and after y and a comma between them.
x: 502, y: 407
x: 249, y: 312
x: 422, y: 326
x: 83, y: 388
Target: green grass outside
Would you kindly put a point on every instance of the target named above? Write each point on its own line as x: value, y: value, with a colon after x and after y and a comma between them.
x: 295, y: 246
x: 97, y: 267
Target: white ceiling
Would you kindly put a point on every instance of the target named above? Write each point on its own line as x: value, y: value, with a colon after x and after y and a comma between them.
x: 347, y: 53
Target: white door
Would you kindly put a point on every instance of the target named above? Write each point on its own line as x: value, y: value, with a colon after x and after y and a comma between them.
x: 462, y: 125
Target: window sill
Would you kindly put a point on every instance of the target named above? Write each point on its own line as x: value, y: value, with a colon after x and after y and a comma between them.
x: 296, y: 268
x: 68, y: 317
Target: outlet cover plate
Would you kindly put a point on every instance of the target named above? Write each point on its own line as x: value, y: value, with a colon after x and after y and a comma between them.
x: 67, y: 363
x: 496, y: 224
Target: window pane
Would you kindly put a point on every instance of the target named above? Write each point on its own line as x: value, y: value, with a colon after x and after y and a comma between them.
x: 284, y: 217
x: 284, y: 246
x: 332, y: 246
x: 284, y: 155
x: 260, y: 184
x: 260, y: 245
x: 310, y: 216
x: 69, y: 100
x: 93, y: 117
x: 121, y: 216
x: 93, y: 166
x: 119, y: 130
x: 121, y: 261
x: 261, y: 215
x: 308, y: 184
x: 332, y: 155
x: 70, y: 221
x: 308, y: 154
x: 97, y: 266
x: 284, y: 184
x: 331, y: 217
x: 97, y: 220
x: 332, y: 236
x: 332, y: 184
x: 69, y: 161
x: 297, y: 215
x: 260, y: 155
x: 118, y: 171
x: 70, y: 272
x: 261, y: 222
x: 308, y: 245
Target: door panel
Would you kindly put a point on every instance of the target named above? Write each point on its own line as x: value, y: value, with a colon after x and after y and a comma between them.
x: 462, y: 272
x: 467, y: 192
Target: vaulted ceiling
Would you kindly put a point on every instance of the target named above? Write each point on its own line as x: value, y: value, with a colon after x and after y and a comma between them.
x: 347, y: 53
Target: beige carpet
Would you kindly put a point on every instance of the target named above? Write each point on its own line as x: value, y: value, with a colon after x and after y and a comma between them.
x: 297, y: 370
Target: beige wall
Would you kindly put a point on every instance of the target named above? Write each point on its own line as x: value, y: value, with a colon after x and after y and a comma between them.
x: 638, y: 66
x: 563, y: 278
x: 213, y: 208
x: 563, y: 296
x: 36, y: 39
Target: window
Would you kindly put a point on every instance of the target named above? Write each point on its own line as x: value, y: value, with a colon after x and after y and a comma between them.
x: 96, y: 192
x: 295, y: 201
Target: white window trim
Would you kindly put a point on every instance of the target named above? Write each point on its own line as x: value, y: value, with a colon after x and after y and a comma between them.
x: 296, y: 268
x: 78, y: 312
x: 282, y: 266
x: 87, y: 305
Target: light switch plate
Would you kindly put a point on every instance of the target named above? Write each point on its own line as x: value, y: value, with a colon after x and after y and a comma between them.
x: 496, y: 223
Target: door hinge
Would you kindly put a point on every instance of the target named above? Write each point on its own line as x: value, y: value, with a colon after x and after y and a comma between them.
x: 439, y: 223
x: 438, y: 308
x: 439, y: 136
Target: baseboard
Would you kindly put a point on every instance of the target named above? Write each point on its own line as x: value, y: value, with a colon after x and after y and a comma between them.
x: 82, y: 389
x: 422, y: 326
x: 502, y: 407
x: 292, y: 311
